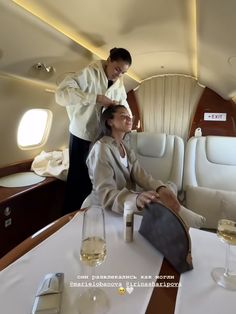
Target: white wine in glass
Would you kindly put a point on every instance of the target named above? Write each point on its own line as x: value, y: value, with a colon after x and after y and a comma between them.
x: 93, y: 251
x: 226, y: 232
x: 92, y: 254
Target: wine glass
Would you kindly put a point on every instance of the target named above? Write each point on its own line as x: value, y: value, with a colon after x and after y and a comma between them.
x: 92, y: 254
x: 93, y: 247
x: 226, y: 231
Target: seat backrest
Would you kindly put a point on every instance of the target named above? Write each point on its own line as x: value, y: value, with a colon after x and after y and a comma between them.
x: 210, y: 177
x: 160, y: 154
x: 210, y: 162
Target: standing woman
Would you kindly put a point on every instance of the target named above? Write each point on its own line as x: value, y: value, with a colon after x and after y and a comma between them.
x: 115, y: 172
x: 85, y: 94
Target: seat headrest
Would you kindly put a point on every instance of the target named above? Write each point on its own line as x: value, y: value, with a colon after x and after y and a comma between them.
x: 221, y: 150
x: 151, y: 144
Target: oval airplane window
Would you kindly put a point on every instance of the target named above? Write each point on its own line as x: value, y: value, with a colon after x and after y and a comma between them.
x: 34, y: 128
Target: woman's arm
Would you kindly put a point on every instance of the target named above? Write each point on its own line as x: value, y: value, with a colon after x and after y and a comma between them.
x: 71, y: 90
x: 83, y: 88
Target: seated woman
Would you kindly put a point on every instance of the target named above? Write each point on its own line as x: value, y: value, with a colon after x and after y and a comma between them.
x: 115, y: 172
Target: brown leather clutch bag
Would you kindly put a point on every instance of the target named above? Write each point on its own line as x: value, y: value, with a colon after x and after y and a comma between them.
x: 167, y: 232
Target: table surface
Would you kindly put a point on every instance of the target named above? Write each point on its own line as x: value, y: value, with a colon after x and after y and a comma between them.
x: 138, y: 261
x: 132, y: 263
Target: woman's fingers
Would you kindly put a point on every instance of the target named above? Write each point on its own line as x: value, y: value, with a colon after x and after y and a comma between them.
x: 165, y: 196
x: 147, y: 197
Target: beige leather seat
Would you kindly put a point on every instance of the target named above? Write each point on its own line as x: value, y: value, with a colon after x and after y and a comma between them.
x: 210, y: 177
x: 160, y: 154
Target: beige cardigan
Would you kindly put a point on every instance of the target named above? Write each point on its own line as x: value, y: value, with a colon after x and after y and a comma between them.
x: 78, y: 92
x: 113, y: 183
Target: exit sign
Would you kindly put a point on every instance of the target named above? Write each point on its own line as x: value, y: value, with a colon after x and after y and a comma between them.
x: 215, y: 116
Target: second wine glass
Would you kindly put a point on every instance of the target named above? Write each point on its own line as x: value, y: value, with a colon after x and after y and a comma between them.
x: 226, y: 231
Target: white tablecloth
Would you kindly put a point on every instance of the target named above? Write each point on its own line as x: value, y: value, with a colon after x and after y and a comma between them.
x: 60, y: 253
x: 198, y: 293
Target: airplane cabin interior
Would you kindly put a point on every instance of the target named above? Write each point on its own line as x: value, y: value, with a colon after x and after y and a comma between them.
x: 181, y: 90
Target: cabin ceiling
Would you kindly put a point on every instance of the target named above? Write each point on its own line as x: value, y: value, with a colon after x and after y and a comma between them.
x: 190, y: 37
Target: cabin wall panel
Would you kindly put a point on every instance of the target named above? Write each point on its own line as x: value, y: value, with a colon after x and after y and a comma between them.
x: 167, y: 103
x: 28, y: 209
x: 211, y: 102
x: 16, y: 97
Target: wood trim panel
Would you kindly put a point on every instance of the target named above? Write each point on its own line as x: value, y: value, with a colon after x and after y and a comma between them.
x: 21, y: 166
x: 6, y: 194
x: 134, y: 106
x: 24, y: 210
x: 163, y: 299
x: 212, y: 102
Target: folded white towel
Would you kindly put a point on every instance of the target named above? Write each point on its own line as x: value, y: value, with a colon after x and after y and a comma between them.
x: 52, y: 164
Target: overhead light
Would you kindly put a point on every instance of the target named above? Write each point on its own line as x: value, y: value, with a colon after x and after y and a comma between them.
x: 42, y: 67
x: 73, y: 35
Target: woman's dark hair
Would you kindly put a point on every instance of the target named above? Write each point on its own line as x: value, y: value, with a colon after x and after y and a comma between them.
x: 120, y: 54
x: 108, y: 113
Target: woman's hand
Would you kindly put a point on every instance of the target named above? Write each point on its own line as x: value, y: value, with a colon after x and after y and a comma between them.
x: 147, y: 197
x: 104, y: 101
x: 168, y: 198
